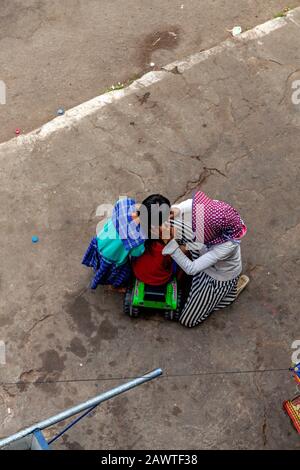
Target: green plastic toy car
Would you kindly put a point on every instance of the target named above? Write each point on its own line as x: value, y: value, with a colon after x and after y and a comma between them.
x: 166, y: 298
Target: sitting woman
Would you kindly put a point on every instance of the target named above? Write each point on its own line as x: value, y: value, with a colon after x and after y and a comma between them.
x: 213, y: 231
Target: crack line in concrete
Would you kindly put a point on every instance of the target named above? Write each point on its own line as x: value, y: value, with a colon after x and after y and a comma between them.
x: 37, y: 322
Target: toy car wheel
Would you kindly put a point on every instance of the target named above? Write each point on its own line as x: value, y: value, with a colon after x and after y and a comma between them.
x: 174, y: 315
x: 127, y: 305
x: 135, y: 312
x: 169, y: 315
x: 127, y: 301
x: 178, y: 310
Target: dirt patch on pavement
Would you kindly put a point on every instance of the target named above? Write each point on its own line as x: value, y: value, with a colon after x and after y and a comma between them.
x: 165, y: 39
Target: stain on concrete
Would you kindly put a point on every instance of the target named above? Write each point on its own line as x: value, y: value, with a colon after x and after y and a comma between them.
x: 68, y: 403
x: 80, y: 311
x: 176, y: 410
x: 6, y: 320
x: 160, y: 339
x: 52, y: 361
x: 71, y: 445
x: 160, y: 388
x: 106, y: 331
x: 25, y: 24
x: 144, y: 98
x: 50, y: 388
x: 119, y: 407
x: 149, y: 157
x: 41, y: 298
x: 167, y: 39
x: 77, y: 348
x: 10, y: 390
x: 28, y: 377
x: 220, y: 324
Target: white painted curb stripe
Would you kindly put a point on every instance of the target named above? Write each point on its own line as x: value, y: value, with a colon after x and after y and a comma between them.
x: 74, y: 115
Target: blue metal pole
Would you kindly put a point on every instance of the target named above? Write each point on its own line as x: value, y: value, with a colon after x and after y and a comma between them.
x: 82, y: 407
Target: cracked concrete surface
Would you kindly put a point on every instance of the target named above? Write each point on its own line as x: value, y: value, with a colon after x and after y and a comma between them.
x: 224, y: 128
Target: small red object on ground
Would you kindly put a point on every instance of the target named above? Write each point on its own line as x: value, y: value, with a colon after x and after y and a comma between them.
x: 292, y: 408
x: 18, y: 131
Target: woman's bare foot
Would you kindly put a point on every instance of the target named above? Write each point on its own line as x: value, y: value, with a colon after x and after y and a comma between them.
x: 242, y: 283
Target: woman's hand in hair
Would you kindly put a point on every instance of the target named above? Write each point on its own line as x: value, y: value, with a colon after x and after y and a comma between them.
x: 174, y: 213
x: 168, y: 232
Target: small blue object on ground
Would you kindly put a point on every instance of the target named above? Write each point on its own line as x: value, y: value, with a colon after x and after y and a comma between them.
x: 60, y: 111
x: 34, y: 239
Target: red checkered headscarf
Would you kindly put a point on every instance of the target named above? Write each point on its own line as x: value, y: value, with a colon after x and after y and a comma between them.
x: 216, y: 222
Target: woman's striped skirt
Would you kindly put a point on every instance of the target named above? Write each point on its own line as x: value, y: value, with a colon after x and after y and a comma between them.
x: 105, y: 271
x: 206, y: 294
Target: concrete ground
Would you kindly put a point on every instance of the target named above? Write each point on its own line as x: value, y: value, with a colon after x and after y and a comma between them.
x: 226, y: 125
x: 60, y: 53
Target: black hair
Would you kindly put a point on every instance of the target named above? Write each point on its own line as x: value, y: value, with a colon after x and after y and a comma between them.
x: 154, y: 211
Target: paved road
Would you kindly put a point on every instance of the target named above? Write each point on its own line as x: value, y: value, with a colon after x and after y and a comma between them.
x: 228, y: 126
x: 57, y: 53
